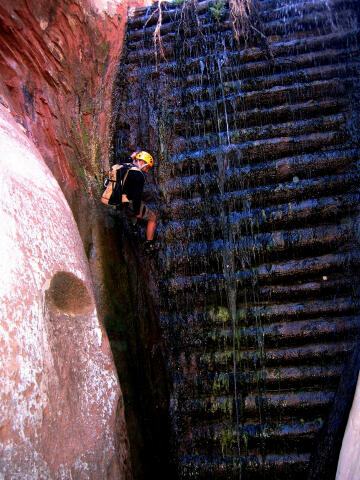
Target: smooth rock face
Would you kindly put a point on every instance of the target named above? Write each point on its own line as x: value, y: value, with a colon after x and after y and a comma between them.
x: 349, y: 460
x: 57, y: 63
x: 59, y: 390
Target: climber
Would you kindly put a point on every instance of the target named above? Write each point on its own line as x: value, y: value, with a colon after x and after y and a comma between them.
x: 135, y: 209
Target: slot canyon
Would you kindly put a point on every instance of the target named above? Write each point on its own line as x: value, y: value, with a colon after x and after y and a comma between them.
x: 233, y: 351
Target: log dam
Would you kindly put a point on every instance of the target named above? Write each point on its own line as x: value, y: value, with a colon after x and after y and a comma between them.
x: 255, y: 137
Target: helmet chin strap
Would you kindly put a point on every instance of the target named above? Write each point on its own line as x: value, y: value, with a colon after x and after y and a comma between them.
x: 142, y: 166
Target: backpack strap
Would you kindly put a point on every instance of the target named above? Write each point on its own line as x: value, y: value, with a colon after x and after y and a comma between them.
x: 125, y: 176
x: 124, y: 197
x: 129, y: 166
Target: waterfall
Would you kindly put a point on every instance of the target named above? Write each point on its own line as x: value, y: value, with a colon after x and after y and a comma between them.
x: 256, y: 186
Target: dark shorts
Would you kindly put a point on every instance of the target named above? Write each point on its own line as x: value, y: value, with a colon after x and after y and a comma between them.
x: 147, y: 214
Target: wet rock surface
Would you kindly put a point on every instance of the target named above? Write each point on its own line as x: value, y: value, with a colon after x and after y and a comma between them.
x: 131, y: 300
x: 256, y: 184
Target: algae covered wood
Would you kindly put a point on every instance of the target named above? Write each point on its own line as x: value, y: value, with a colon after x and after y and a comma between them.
x: 256, y: 186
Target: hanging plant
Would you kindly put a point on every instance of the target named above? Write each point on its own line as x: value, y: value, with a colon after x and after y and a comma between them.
x: 218, y: 10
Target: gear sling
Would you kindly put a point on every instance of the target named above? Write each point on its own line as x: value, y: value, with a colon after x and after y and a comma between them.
x: 113, y: 185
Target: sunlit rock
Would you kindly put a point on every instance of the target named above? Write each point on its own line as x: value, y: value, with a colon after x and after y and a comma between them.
x: 58, y: 60
x: 59, y: 390
x: 349, y: 463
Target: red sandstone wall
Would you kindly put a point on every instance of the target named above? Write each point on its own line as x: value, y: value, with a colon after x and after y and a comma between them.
x: 57, y: 61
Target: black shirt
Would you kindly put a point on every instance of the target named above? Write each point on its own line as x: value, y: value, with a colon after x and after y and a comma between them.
x: 133, y: 188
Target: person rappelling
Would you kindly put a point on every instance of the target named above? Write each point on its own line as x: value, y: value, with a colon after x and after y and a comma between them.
x: 124, y: 188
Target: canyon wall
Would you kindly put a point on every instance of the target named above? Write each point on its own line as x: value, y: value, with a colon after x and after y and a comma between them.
x: 62, y: 410
x: 60, y: 414
x: 57, y: 64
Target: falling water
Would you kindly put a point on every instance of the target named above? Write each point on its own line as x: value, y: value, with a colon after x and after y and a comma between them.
x: 256, y: 190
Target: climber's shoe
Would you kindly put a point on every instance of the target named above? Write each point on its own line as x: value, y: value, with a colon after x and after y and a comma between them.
x: 150, y: 247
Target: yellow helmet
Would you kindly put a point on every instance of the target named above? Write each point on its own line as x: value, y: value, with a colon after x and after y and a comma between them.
x: 146, y: 157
